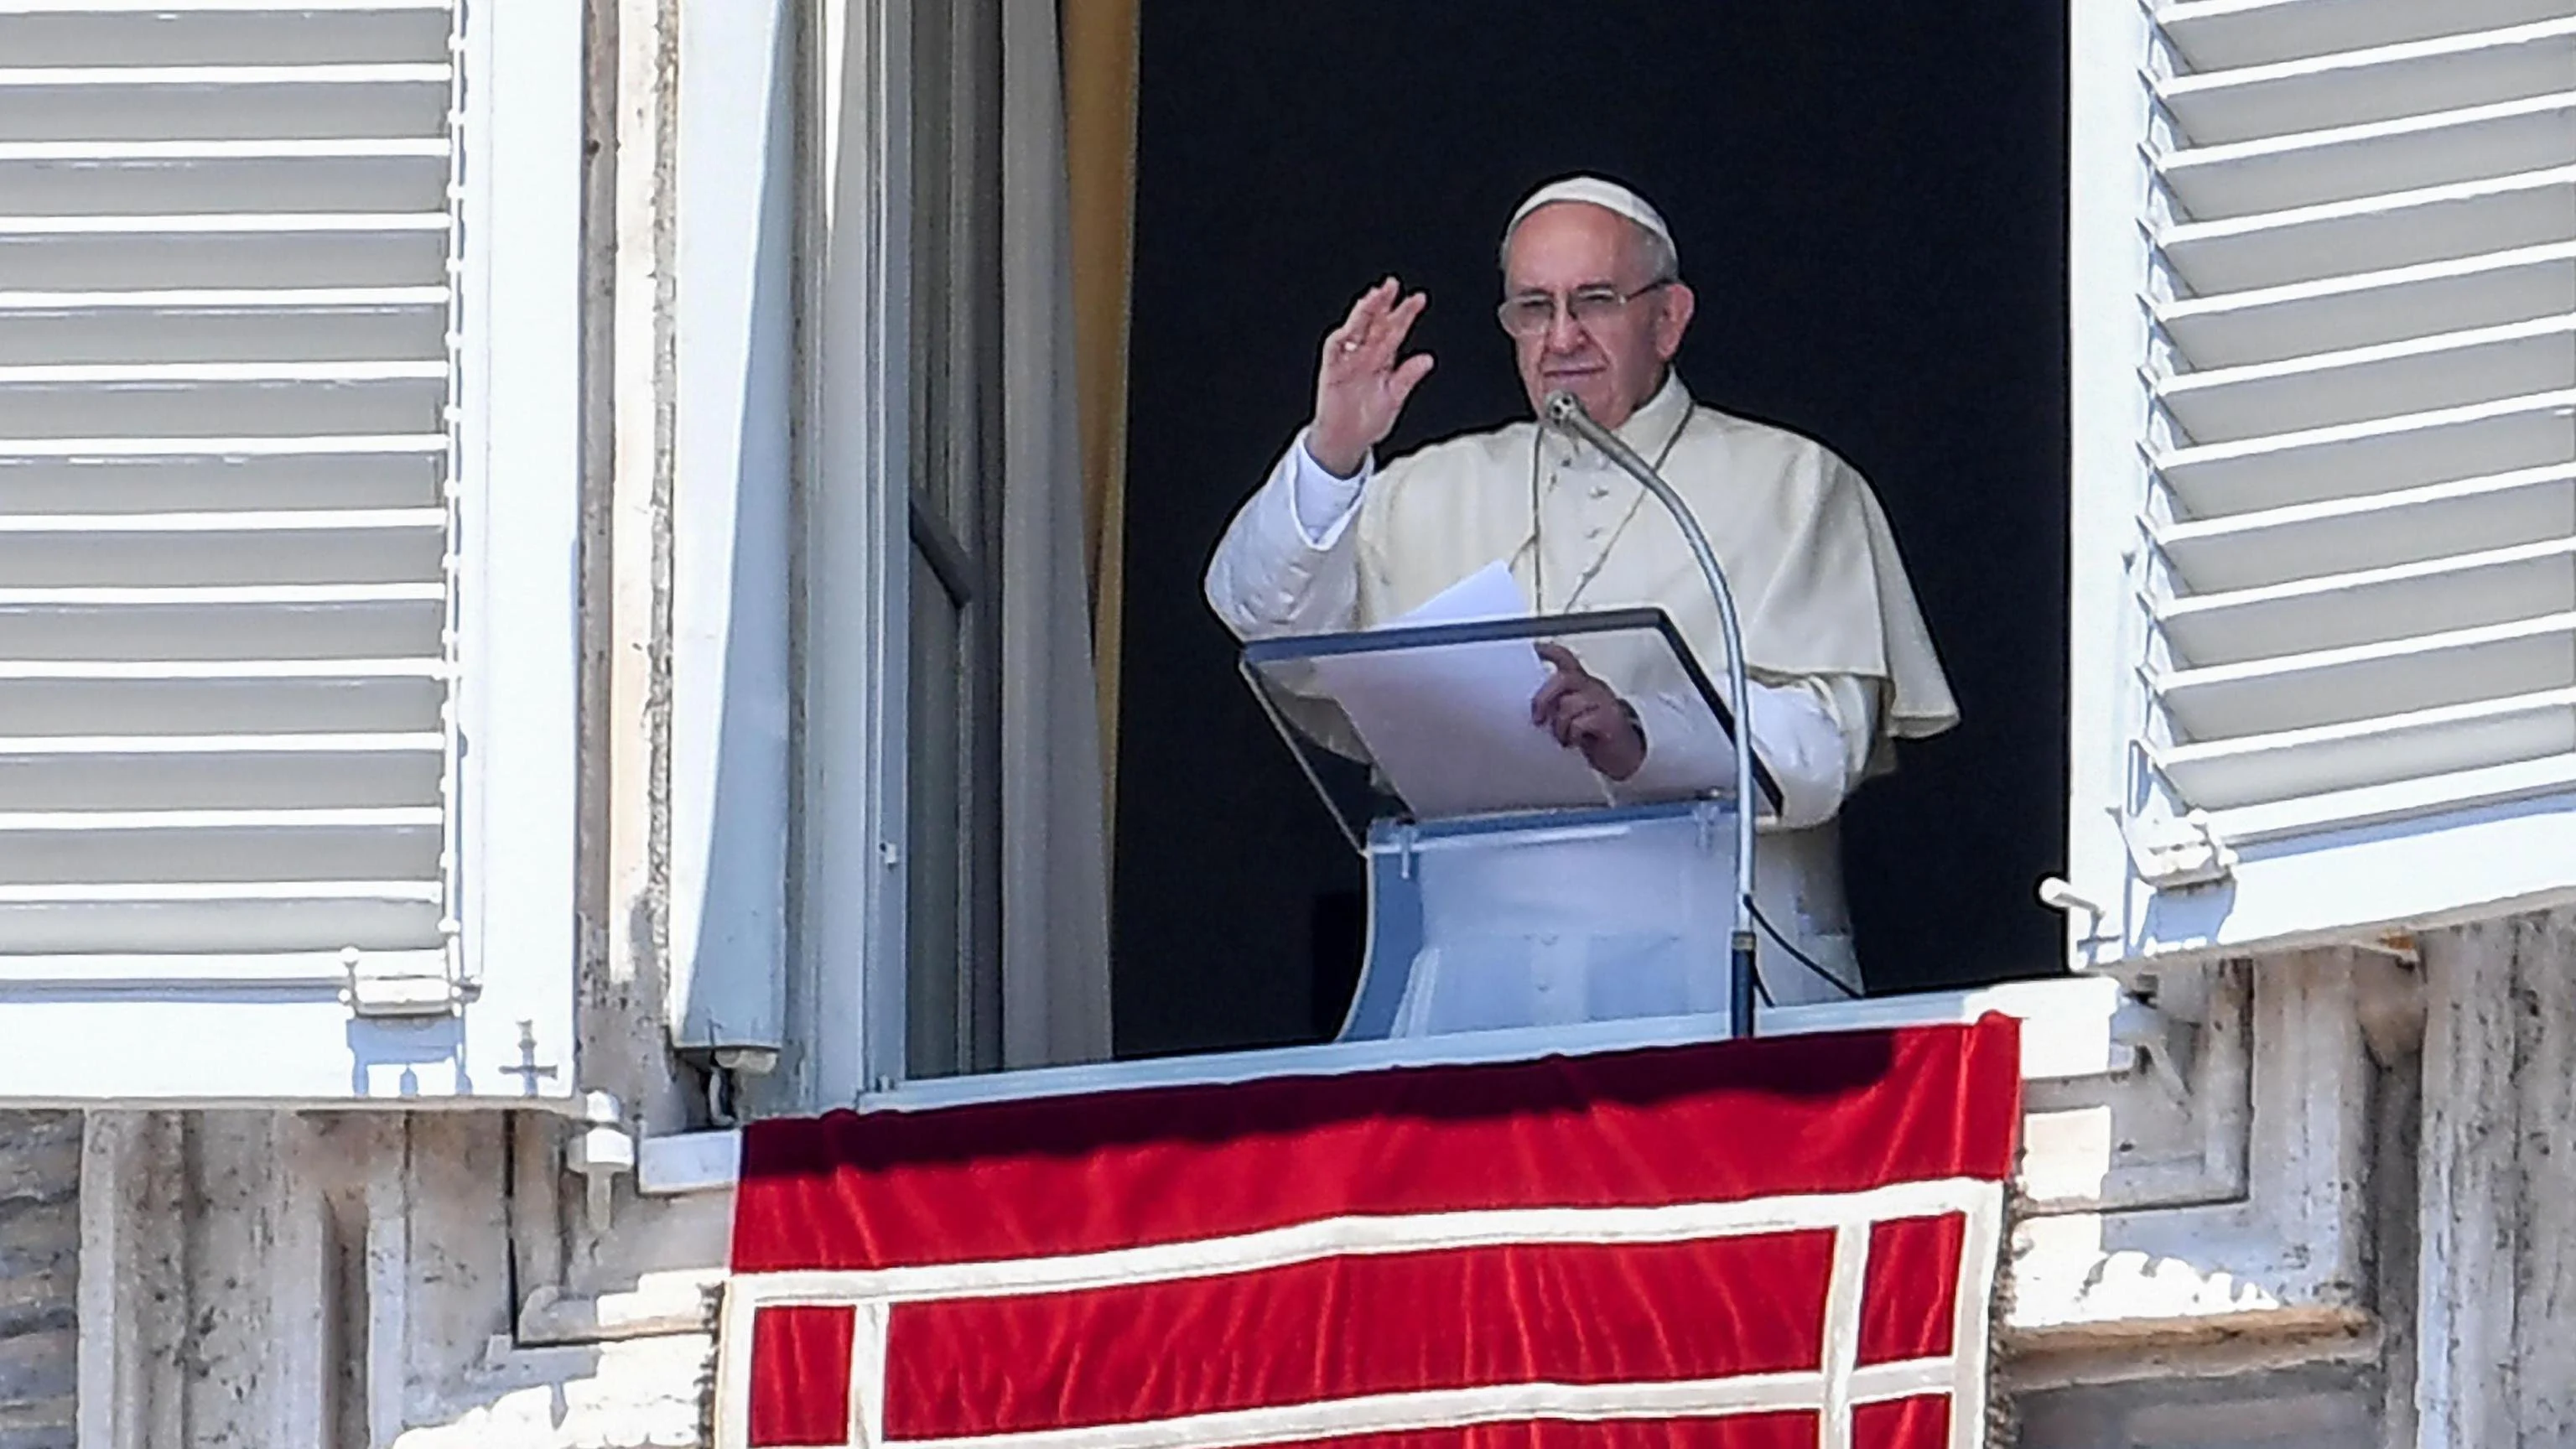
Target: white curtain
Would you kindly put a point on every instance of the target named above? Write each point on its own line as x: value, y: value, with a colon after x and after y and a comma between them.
x: 1055, y: 848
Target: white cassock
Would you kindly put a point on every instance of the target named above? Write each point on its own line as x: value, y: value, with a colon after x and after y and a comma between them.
x: 1835, y: 645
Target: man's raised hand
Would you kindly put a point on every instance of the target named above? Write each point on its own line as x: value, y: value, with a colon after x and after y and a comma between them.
x: 1360, y: 387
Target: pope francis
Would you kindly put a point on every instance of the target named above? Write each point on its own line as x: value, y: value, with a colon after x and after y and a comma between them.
x: 1593, y: 301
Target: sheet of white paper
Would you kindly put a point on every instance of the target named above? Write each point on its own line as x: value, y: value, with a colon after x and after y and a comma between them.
x: 1489, y: 593
x: 1450, y: 726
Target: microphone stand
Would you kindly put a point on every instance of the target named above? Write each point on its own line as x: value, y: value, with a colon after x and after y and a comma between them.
x: 1564, y: 410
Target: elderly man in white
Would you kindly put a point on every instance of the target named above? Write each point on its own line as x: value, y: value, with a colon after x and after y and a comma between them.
x: 1594, y: 304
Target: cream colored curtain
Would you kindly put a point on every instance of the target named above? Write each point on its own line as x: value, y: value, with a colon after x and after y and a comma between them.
x: 1100, y: 38
x: 1055, y: 856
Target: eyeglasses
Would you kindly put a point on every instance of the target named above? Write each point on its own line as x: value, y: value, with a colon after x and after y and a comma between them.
x: 1532, y: 315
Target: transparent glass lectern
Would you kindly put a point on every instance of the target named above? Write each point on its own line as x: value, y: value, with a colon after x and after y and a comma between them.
x: 1509, y: 885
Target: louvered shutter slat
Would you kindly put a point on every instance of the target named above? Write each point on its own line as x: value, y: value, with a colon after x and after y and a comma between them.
x: 2257, y: 400
x: 2356, y: 535
x: 2213, y: 35
x: 226, y: 662
x: 2269, y: 325
x: 2456, y: 71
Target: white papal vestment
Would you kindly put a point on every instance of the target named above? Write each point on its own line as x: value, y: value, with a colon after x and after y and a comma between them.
x: 1834, y: 642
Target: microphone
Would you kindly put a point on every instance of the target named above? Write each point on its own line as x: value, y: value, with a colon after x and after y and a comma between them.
x: 1563, y: 410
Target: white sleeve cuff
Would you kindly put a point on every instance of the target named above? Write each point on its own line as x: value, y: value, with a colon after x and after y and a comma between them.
x: 1324, y: 504
x: 1270, y: 575
x: 1797, y: 735
x: 1797, y: 731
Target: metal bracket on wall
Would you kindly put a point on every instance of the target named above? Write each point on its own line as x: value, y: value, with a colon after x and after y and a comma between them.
x: 600, y: 1151
x: 2166, y: 1046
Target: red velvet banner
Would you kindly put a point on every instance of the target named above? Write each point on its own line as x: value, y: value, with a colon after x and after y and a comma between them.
x: 1783, y: 1241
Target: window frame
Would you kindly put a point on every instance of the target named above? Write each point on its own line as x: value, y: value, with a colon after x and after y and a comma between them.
x: 854, y: 467
x: 519, y: 581
x: 855, y: 473
x: 953, y: 979
x: 2085, y: 1006
x: 732, y: 498
x: 2106, y: 262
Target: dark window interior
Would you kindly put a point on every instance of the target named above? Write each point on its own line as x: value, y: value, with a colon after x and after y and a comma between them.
x: 1870, y: 201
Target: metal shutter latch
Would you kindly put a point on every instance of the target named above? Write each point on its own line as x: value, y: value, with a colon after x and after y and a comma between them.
x: 2187, y: 852
x: 402, y: 983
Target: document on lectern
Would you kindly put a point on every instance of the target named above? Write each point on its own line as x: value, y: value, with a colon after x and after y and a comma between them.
x: 1449, y: 725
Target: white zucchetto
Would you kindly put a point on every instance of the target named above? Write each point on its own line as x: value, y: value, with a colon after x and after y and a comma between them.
x: 1596, y: 191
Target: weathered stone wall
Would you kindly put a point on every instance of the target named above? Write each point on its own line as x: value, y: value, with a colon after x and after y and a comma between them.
x: 2496, y: 1273
x: 279, y: 1280
x: 39, y: 1277
x: 2318, y: 1406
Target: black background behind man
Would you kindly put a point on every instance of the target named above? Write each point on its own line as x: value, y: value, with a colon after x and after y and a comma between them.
x: 1875, y: 198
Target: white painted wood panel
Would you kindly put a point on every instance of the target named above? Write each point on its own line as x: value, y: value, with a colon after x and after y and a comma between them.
x: 264, y: 508
x: 2344, y: 526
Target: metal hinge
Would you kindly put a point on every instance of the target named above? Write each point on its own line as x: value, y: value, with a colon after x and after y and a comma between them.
x: 401, y: 983
x: 2167, y: 1046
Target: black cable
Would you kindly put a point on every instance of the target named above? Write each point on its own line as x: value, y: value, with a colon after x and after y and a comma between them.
x: 1803, y: 959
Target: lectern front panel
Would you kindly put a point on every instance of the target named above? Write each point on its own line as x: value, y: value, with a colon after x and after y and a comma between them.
x: 1540, y: 920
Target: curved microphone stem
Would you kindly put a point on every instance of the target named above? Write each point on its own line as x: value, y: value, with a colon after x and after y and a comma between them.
x: 1565, y: 410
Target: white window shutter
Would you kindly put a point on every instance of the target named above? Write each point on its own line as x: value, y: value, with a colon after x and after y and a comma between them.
x: 250, y: 479
x: 2324, y: 306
